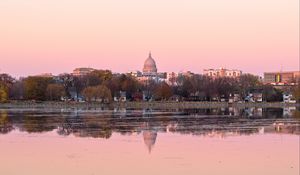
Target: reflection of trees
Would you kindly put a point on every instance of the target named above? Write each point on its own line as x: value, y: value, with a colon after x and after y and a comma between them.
x: 296, y: 113
x: 37, y: 123
x: 5, y: 124
x: 86, y: 126
x: 206, y: 122
x: 273, y: 112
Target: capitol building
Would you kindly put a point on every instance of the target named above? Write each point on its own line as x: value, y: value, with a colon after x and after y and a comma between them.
x: 149, y: 72
x: 150, y: 68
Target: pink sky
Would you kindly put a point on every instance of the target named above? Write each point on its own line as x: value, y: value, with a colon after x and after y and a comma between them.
x: 38, y: 36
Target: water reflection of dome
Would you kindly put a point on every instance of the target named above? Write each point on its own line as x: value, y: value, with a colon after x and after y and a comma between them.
x: 149, y: 139
x: 150, y: 65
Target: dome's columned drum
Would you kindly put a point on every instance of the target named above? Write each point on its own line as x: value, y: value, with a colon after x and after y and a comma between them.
x: 150, y: 65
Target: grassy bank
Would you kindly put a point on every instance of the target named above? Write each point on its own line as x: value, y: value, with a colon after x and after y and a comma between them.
x: 141, y: 105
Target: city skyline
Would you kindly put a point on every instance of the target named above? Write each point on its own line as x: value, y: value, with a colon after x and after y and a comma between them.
x: 259, y: 73
x: 50, y: 36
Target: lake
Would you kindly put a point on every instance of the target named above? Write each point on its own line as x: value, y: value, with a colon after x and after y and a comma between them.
x: 213, y: 141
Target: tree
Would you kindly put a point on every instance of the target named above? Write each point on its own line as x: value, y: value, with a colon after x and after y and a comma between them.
x: 6, y: 79
x: 163, y: 92
x: 67, y: 80
x: 97, y: 93
x: 271, y: 94
x: 16, y: 91
x: 3, y: 93
x: 6, y: 82
x: 55, y: 92
x: 88, y: 93
x: 103, y: 93
x: 35, y: 88
x: 247, y: 82
x: 123, y: 83
x: 184, y: 87
x: 296, y: 93
x: 96, y: 78
x: 225, y: 86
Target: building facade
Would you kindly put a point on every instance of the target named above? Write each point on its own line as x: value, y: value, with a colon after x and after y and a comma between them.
x: 222, y: 72
x: 282, y: 78
x: 150, y: 69
x: 82, y: 71
x: 150, y: 73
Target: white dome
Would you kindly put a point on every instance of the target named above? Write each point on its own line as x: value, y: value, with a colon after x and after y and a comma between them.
x: 150, y: 65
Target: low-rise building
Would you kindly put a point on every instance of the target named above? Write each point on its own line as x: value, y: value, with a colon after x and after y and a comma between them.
x: 120, y: 97
x: 288, y: 98
x: 254, y: 97
x: 172, y: 78
x: 282, y: 78
x: 82, y: 71
x: 234, y: 98
x: 222, y: 72
x: 186, y: 74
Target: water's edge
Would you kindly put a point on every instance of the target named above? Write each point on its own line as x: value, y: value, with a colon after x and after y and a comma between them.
x: 142, y: 105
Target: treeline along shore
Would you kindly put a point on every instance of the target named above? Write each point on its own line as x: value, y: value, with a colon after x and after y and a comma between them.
x: 108, y: 88
x: 141, y: 105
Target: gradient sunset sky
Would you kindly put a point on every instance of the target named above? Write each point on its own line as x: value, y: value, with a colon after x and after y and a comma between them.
x: 39, y: 36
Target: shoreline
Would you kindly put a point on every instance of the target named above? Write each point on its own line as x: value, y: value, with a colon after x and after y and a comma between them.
x: 143, y: 105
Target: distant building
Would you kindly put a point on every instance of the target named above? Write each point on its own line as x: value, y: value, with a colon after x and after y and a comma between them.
x: 135, y: 73
x: 281, y: 78
x: 186, y: 74
x: 150, y: 68
x: 234, y: 98
x: 288, y: 98
x: 82, y: 71
x: 45, y: 75
x: 150, y: 73
x: 254, y: 97
x: 171, y: 78
x: 233, y: 73
x: 120, y: 97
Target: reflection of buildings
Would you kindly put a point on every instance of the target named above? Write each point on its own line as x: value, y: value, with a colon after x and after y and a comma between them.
x: 282, y: 128
x: 288, y: 111
x: 200, y: 122
x: 257, y: 112
x: 149, y: 133
x: 149, y: 139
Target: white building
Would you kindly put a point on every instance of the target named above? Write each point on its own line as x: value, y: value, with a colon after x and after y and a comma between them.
x: 82, y: 71
x: 149, y: 71
x: 288, y: 98
x: 222, y: 72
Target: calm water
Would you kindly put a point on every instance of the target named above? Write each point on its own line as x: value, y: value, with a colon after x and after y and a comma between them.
x: 127, y: 141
